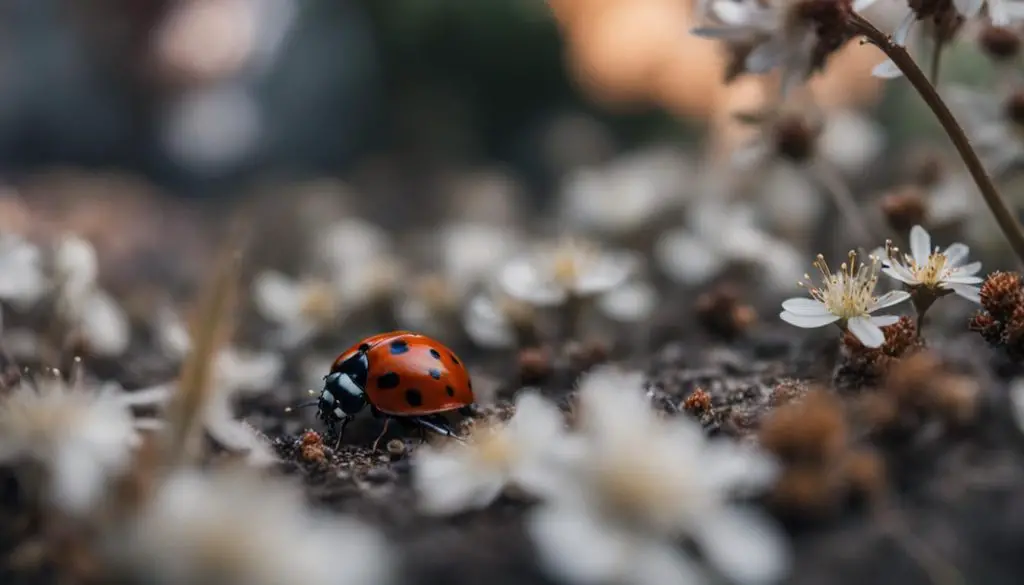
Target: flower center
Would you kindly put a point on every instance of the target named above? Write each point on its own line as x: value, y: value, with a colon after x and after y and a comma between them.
x: 932, y: 271
x: 850, y: 292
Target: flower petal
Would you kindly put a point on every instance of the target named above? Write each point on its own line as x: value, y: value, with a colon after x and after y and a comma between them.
x: 899, y: 272
x: 805, y: 307
x: 574, y: 547
x: 884, y: 320
x: 920, y: 245
x: 886, y: 70
x: 893, y: 297
x: 808, y: 321
x: 967, y: 269
x: 867, y: 332
x: 967, y: 291
x: 956, y: 253
x: 744, y: 545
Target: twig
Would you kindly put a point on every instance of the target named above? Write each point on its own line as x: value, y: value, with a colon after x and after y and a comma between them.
x: 1004, y: 217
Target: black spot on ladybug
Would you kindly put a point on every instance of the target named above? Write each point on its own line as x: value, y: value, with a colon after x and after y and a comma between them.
x: 434, y: 373
x: 413, y: 397
x: 454, y: 359
x: 399, y: 347
x: 449, y: 391
x: 364, y: 347
x: 436, y: 354
x: 388, y: 381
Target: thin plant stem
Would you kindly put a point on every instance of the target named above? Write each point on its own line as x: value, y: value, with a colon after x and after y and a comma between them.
x: 1006, y: 220
x: 936, y: 60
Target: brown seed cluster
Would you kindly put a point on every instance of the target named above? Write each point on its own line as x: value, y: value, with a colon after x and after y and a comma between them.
x: 1000, y: 44
x: 312, y: 447
x: 831, y: 21
x: 904, y: 208
x: 945, y: 19
x: 822, y: 471
x: 920, y: 389
x: 698, y: 402
x: 871, y: 364
x: 1001, y: 320
x: 535, y: 365
x: 722, y: 313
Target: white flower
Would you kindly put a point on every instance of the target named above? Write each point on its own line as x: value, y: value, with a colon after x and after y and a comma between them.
x: 626, y: 195
x: 552, y: 274
x: 471, y: 251
x: 427, y: 303
x: 933, y: 269
x: 846, y: 298
x: 491, y: 319
x: 89, y: 309
x: 643, y: 483
x: 24, y: 282
x: 234, y: 528
x: 301, y: 308
x: 718, y: 235
x: 630, y: 303
x: 778, y: 33
x: 83, y: 436
x: 527, y: 452
x: 360, y: 258
x: 994, y: 121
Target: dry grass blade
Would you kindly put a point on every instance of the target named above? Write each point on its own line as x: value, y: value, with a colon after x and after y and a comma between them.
x: 211, y: 326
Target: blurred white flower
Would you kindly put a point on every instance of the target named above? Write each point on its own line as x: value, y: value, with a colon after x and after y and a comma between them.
x: 527, y: 451
x: 300, y: 308
x: 846, y: 298
x: 553, y: 273
x: 993, y: 120
x: 237, y: 528
x: 626, y: 195
x: 629, y: 303
x: 925, y: 267
x: 83, y: 436
x: 88, y: 308
x: 361, y: 261
x: 717, y: 235
x: 472, y: 251
x: 644, y: 482
x: 427, y: 304
x: 778, y: 34
x: 24, y: 281
x: 492, y: 319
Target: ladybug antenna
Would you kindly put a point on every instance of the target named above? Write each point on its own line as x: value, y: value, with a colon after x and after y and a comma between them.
x: 304, y: 404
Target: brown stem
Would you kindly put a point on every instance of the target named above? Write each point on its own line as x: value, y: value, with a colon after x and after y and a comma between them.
x: 1007, y: 222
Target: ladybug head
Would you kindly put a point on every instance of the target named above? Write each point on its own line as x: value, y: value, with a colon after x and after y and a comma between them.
x: 344, y: 392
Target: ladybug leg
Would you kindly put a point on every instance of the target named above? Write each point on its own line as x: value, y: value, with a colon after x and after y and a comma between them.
x: 341, y: 431
x: 436, y: 424
x: 382, y: 433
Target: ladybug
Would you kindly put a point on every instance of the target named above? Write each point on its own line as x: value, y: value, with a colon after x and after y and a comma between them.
x: 399, y: 375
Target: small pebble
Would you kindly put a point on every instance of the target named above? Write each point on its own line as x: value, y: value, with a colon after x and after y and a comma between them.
x: 396, y: 448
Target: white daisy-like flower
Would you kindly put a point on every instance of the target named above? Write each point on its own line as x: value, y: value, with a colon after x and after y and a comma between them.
x: 644, y: 482
x: 361, y: 261
x: 471, y: 251
x: 215, y: 527
x: 630, y: 303
x: 300, y: 308
x: 930, y: 268
x: 24, y: 281
x: 89, y: 309
x: 626, y: 195
x: 994, y: 121
x: 554, y: 273
x: 780, y: 34
x: 846, y: 298
x: 493, y: 319
x: 83, y: 436
x: 528, y: 451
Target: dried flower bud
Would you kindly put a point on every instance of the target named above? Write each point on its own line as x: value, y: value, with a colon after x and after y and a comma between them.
x: 535, y: 365
x: 796, y: 137
x: 721, y: 312
x: 1015, y: 107
x: 1001, y: 320
x: 945, y: 19
x: 999, y: 43
x: 698, y: 402
x: 811, y: 431
x: 865, y: 366
x: 904, y: 208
